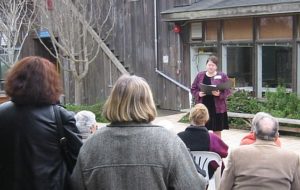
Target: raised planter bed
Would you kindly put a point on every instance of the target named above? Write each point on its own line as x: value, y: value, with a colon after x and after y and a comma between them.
x: 280, y: 120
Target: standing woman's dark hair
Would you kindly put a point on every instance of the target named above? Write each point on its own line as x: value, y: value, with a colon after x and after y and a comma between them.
x: 33, y: 80
x: 213, y: 59
x: 29, y: 140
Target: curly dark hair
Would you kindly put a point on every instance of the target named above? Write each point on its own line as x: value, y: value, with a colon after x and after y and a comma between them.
x: 33, y: 81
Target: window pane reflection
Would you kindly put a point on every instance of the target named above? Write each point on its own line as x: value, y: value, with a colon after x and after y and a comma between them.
x: 239, y: 65
x: 276, y: 66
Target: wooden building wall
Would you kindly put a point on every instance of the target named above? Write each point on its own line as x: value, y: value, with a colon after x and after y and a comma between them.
x: 32, y: 46
x: 171, y: 44
x: 133, y: 43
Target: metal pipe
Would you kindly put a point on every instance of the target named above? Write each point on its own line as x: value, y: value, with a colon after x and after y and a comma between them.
x: 172, y: 80
x: 155, y: 35
x: 156, y: 53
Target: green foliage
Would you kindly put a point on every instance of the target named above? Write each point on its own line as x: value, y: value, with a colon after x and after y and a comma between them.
x: 283, y: 104
x: 239, y: 123
x: 242, y: 102
x: 185, y: 118
x: 96, y: 109
x: 279, y: 104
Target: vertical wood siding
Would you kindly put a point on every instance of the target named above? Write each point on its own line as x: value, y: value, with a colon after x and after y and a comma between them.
x: 132, y: 41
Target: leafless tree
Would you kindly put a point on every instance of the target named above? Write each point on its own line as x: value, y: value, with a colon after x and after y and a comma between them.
x: 16, y: 20
x: 70, y: 24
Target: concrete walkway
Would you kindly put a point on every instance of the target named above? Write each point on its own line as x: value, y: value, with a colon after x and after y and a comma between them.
x: 231, y: 137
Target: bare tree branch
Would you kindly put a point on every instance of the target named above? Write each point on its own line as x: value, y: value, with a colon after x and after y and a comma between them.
x: 16, y: 20
x: 72, y: 37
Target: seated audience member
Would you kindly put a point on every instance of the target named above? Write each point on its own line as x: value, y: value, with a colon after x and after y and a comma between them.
x: 86, y: 123
x: 131, y: 153
x: 262, y: 165
x: 197, y: 138
x: 250, y: 137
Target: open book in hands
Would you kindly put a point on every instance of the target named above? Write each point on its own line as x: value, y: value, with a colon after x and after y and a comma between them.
x: 207, y: 89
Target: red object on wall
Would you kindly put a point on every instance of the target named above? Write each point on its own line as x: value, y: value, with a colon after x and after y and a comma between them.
x: 176, y: 28
x: 50, y: 5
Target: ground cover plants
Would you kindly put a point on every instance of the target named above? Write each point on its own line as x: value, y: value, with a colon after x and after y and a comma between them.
x: 95, y: 108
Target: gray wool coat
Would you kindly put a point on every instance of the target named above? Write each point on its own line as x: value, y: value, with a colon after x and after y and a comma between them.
x: 133, y: 156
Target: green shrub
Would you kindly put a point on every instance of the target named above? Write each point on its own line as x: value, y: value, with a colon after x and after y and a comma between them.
x: 283, y: 104
x: 95, y: 108
x: 243, y: 102
x: 239, y: 123
x: 279, y: 104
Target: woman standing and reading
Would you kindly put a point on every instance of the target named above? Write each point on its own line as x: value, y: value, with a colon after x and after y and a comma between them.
x: 214, y: 101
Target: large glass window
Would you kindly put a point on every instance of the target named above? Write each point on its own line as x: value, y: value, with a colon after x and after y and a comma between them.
x: 199, y: 56
x: 276, y: 27
x: 238, y: 29
x: 276, y: 66
x: 211, y: 31
x: 239, y: 65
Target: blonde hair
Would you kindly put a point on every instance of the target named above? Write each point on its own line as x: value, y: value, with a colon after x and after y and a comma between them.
x: 199, y: 114
x: 131, y: 99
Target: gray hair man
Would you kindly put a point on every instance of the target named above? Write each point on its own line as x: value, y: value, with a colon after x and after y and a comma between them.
x: 265, y: 126
x: 274, y: 167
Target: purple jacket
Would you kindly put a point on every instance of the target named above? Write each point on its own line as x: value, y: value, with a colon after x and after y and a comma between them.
x: 220, y: 101
x: 217, y: 145
x: 199, y: 139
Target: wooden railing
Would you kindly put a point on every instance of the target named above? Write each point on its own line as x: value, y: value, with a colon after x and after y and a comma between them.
x: 280, y: 120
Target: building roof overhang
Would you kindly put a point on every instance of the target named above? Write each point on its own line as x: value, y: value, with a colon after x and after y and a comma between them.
x: 216, y: 9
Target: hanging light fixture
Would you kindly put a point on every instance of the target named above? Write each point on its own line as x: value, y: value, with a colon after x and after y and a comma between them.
x: 49, y: 5
x: 176, y: 28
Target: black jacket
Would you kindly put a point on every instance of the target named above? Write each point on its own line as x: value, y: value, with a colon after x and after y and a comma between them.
x: 196, y: 138
x: 31, y: 158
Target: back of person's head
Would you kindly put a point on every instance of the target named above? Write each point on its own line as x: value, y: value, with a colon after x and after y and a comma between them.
x: 265, y: 126
x: 199, y: 115
x: 85, y: 121
x: 33, y: 81
x: 131, y: 99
